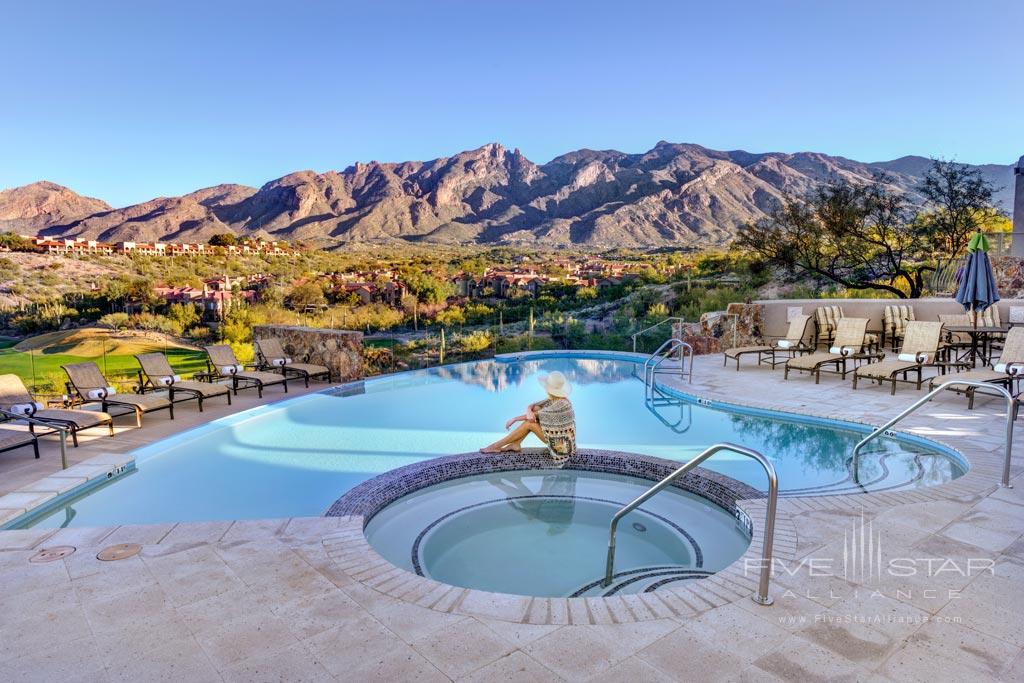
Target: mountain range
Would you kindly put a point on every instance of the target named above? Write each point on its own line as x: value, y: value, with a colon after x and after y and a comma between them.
x: 672, y: 195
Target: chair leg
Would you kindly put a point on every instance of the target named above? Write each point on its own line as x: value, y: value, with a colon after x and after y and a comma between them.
x: 285, y: 385
x: 970, y: 398
x: 199, y: 400
x: 305, y: 377
x: 110, y: 427
x: 855, y: 379
x: 138, y: 417
x: 229, y: 398
x: 259, y: 389
x: 35, y: 447
x: 74, y: 435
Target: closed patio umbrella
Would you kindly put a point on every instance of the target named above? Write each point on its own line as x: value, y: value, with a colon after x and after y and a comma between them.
x: 977, y: 289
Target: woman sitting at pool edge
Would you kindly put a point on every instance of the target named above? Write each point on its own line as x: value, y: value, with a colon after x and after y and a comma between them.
x: 551, y: 420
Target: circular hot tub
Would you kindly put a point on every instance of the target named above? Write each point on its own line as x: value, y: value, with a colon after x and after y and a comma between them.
x: 511, y: 525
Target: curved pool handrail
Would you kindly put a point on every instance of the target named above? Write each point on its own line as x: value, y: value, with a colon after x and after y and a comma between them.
x: 1010, y: 405
x: 655, y: 360
x: 761, y: 597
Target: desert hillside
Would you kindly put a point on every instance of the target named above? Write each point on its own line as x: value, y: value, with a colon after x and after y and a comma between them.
x: 671, y: 195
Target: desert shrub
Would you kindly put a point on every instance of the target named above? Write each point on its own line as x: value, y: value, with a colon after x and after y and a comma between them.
x: 475, y: 342
x: 243, y: 352
x: 199, y: 333
x: 523, y: 342
x: 115, y: 321
x: 377, y: 360
x: 42, y: 317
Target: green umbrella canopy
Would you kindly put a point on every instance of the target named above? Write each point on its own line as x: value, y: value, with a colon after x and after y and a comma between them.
x: 978, y: 242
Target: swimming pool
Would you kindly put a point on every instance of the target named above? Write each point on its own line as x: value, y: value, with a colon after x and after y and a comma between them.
x: 295, y: 457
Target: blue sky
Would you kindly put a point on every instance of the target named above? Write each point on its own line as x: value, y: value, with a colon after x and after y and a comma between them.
x: 131, y: 100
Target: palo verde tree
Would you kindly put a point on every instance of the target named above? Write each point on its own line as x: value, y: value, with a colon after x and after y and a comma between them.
x: 856, y: 235
x: 959, y: 201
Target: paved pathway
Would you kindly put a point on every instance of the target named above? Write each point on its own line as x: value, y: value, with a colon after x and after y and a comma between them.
x: 277, y: 600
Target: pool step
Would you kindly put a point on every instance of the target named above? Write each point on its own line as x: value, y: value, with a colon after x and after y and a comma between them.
x: 642, y: 580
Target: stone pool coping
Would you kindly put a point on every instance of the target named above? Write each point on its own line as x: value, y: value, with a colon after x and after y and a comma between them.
x: 347, y: 547
x: 61, y: 486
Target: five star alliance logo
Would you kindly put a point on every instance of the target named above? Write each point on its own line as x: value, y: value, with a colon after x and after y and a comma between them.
x: 862, y: 552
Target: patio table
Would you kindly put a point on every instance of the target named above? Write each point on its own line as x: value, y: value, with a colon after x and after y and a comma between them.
x: 981, y: 340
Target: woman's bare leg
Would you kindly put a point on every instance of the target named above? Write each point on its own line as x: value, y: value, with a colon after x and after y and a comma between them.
x: 515, y: 437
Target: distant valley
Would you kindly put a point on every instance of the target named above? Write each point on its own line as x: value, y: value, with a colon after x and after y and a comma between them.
x: 680, y: 195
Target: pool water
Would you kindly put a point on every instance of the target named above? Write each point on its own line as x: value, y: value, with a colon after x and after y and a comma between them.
x: 296, y: 457
x: 545, y: 533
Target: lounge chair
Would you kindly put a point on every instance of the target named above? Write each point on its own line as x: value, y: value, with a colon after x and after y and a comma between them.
x: 223, y: 363
x: 1009, y: 368
x: 826, y: 324
x: 791, y: 344
x: 16, y: 438
x: 826, y: 319
x: 90, y: 385
x: 15, y: 398
x: 272, y: 355
x: 920, y: 348
x: 156, y: 373
x: 894, y: 322
x: 849, y: 345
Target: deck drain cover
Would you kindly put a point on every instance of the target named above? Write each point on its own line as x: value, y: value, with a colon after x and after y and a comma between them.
x: 57, y: 552
x: 121, y: 551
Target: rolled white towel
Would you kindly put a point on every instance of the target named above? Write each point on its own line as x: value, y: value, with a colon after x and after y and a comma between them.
x: 278, y: 362
x: 26, y: 408
x: 230, y: 369
x: 784, y: 344
x: 843, y: 351
x: 1010, y: 368
x: 101, y: 393
x: 167, y: 381
x: 914, y: 357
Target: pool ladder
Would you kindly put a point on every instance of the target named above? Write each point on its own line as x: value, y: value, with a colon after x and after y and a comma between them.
x: 761, y: 597
x: 985, y: 386
x: 662, y: 354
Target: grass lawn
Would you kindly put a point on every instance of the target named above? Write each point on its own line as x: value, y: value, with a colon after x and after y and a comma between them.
x: 43, y: 369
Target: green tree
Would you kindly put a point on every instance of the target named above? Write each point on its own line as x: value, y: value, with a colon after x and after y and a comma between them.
x: 305, y: 295
x: 959, y: 201
x: 16, y: 242
x: 223, y: 239
x: 186, y: 315
x: 856, y: 235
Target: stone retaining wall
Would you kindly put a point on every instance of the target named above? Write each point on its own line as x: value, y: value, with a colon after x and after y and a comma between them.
x: 340, y: 350
x: 738, y: 325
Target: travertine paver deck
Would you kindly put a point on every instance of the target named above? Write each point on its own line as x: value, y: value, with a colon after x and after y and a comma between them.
x: 272, y: 600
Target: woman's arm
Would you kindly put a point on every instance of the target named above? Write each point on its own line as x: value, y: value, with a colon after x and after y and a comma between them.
x: 517, y: 418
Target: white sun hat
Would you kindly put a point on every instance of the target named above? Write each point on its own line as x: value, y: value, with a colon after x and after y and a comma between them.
x: 555, y: 384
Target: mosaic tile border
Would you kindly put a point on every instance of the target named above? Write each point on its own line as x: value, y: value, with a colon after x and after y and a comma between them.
x: 373, y: 495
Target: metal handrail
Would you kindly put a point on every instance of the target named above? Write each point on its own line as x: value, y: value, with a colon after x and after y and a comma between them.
x: 63, y: 431
x: 761, y: 597
x: 1010, y: 401
x: 655, y: 360
x: 648, y: 329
